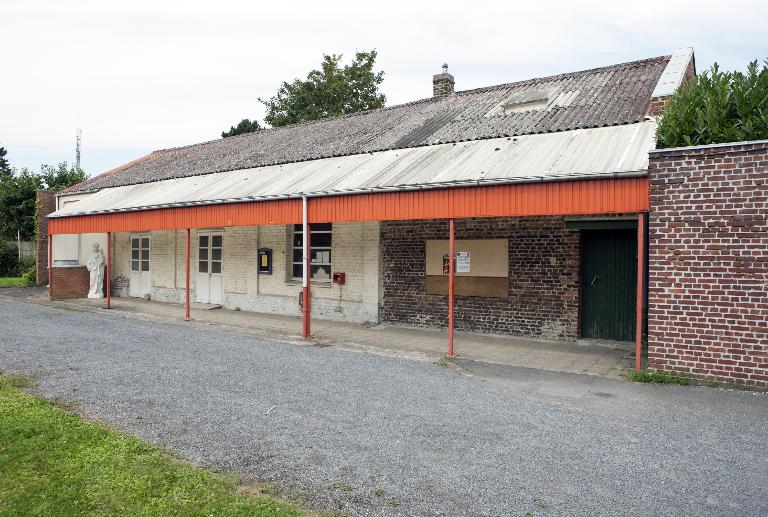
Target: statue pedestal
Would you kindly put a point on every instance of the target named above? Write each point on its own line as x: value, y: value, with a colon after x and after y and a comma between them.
x: 98, y: 295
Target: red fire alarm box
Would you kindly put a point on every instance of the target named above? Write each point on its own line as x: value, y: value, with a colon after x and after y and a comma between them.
x: 339, y: 278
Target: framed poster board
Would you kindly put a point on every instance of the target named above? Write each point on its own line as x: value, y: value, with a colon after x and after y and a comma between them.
x: 481, y: 267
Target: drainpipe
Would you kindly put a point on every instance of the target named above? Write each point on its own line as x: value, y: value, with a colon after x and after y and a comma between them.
x: 186, y: 304
x: 50, y: 262
x: 305, y: 296
x: 641, y: 218
x: 451, y: 253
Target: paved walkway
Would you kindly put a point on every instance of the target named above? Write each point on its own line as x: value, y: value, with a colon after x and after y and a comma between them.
x: 369, y: 434
x: 396, y: 340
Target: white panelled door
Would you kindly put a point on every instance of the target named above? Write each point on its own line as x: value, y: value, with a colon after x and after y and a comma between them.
x: 140, y: 280
x: 209, y: 285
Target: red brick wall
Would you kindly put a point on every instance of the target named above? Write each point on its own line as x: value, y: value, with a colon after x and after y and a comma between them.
x: 657, y: 105
x: 708, y: 262
x: 69, y: 282
x: 46, y: 202
x: 543, y: 277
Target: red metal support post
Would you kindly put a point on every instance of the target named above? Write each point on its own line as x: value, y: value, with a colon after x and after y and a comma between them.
x: 306, y: 272
x: 109, y: 270
x: 641, y: 218
x: 308, y: 292
x: 50, y: 263
x: 186, y: 304
x: 451, y: 267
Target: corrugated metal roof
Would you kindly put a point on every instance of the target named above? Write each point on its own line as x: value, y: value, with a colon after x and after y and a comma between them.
x: 614, y: 95
x: 617, y: 150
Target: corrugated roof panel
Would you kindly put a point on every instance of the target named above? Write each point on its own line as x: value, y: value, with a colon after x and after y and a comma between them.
x: 613, y: 95
x: 568, y: 154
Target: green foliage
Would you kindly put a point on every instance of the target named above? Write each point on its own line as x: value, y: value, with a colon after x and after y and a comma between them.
x: 29, y: 275
x: 10, y: 264
x: 18, y: 196
x: 26, y: 267
x: 54, y: 463
x: 332, y: 90
x: 659, y: 377
x: 245, y: 126
x: 5, y: 168
x: 14, y: 281
x: 717, y: 107
x: 60, y: 177
x: 8, y: 260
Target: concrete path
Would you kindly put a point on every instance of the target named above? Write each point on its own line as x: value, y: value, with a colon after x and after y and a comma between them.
x: 397, y: 340
x: 375, y: 435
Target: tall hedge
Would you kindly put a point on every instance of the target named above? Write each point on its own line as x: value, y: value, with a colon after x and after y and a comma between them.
x: 717, y: 107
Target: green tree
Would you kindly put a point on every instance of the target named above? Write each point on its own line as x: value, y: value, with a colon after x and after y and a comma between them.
x: 18, y: 195
x: 332, y: 90
x: 5, y: 168
x: 245, y: 126
x: 17, y: 204
x: 60, y: 177
x: 717, y: 107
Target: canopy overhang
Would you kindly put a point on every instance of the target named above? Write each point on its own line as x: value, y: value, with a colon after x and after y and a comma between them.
x: 575, y: 197
x: 580, y: 172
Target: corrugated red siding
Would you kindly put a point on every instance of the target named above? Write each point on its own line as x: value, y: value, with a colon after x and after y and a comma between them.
x: 603, y: 196
x: 285, y: 211
x: 582, y: 197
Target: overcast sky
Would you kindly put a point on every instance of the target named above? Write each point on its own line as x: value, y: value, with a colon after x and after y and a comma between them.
x: 141, y: 75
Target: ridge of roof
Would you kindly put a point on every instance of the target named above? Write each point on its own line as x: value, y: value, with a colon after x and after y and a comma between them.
x: 557, y: 77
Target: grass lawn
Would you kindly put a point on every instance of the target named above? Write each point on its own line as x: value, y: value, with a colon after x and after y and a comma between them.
x: 13, y: 281
x: 54, y: 463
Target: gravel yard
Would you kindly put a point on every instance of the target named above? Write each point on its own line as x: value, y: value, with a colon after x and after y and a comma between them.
x: 370, y: 434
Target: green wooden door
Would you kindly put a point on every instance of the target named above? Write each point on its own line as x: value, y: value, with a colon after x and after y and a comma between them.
x: 609, y: 280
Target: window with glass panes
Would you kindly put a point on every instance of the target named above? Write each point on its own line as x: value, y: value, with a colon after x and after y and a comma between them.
x: 209, y: 253
x: 139, y: 253
x: 319, y: 247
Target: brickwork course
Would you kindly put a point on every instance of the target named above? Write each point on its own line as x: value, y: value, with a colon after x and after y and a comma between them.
x: 543, y: 292
x: 69, y: 282
x: 708, y: 262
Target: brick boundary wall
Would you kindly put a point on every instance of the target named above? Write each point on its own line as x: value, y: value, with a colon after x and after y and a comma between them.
x: 543, y: 277
x: 69, y: 282
x: 708, y: 262
x: 46, y: 202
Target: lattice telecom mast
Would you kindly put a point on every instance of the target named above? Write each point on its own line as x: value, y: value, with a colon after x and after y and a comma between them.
x: 77, y: 150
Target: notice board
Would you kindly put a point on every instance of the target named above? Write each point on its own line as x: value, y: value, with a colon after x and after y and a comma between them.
x: 481, y: 267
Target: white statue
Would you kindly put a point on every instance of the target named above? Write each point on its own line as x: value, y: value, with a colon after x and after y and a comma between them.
x: 96, y: 266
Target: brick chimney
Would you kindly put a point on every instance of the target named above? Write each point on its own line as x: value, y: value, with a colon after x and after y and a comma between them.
x: 442, y: 84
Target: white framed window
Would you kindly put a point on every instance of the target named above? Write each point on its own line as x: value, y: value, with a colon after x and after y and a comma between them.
x: 321, y: 239
x: 139, y: 253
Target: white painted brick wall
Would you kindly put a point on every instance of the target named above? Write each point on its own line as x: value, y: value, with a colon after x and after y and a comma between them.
x: 355, y: 252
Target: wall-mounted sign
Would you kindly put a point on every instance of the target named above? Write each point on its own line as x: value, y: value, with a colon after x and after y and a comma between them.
x: 462, y: 262
x: 481, y: 267
x: 265, y: 261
